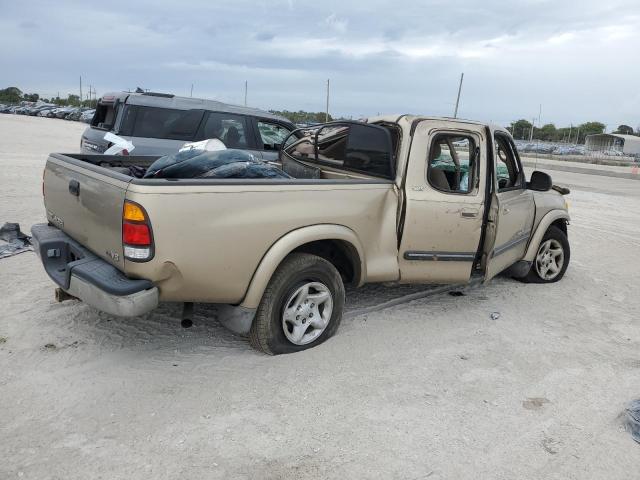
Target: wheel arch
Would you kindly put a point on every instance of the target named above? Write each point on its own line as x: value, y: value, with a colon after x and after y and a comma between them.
x: 559, y: 218
x: 335, y: 243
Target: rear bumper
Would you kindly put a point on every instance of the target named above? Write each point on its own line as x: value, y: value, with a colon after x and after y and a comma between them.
x: 88, y: 277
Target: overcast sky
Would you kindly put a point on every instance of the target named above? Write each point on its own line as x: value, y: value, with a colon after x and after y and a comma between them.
x: 580, y: 60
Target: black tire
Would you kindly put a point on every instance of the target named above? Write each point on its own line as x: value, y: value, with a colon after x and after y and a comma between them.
x: 267, y: 331
x: 552, y: 233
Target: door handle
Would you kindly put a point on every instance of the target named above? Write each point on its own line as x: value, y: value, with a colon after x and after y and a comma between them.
x: 74, y: 187
x: 469, y: 213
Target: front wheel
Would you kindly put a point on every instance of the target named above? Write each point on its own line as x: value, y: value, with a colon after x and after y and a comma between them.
x: 301, y: 307
x: 552, y: 258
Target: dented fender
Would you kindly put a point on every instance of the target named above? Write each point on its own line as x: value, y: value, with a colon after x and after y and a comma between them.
x: 288, y: 243
x: 541, y: 229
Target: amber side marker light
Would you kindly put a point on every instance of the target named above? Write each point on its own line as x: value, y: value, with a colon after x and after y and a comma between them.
x: 133, y: 212
x: 137, y: 240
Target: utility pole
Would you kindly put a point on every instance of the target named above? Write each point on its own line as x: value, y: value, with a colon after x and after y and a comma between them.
x: 326, y: 115
x: 245, y: 92
x: 80, y: 88
x: 539, y: 115
x: 533, y: 121
x: 455, y: 113
x: 191, y: 94
x: 578, y: 136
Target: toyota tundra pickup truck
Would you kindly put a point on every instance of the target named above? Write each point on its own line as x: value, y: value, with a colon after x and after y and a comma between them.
x: 403, y: 198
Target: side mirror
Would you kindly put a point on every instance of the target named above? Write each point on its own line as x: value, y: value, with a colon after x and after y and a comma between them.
x: 540, y: 182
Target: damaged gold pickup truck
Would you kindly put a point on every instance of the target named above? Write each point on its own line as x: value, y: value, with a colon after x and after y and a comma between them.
x: 405, y: 199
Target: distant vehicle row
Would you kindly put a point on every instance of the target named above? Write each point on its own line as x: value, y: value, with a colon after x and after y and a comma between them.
x: 83, y: 114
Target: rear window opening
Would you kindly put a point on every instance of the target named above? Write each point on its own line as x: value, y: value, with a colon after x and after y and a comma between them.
x: 350, y: 146
x: 163, y: 123
x: 105, y: 116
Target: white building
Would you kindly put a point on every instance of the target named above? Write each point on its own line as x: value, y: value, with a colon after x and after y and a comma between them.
x: 603, y: 142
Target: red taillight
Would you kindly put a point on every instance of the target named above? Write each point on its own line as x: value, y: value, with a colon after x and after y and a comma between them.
x: 137, y: 239
x: 136, y: 234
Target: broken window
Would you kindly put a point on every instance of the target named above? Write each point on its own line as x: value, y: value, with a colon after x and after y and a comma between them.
x: 453, y: 161
x: 352, y: 146
x: 508, y: 171
x: 272, y: 134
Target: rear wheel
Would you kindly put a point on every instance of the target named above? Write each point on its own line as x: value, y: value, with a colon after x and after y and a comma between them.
x: 552, y: 258
x: 301, y: 307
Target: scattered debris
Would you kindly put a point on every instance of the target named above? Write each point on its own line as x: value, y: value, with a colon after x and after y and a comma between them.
x: 50, y: 346
x: 632, y: 419
x: 463, y: 357
x: 3, y: 340
x: 550, y: 445
x: 17, y: 242
x: 534, y: 403
x: 495, y: 315
x: 456, y: 293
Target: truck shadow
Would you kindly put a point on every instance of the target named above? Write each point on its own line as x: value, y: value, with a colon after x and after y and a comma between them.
x: 162, y: 330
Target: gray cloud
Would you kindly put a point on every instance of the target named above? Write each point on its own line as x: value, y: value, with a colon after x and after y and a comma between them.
x: 576, y: 59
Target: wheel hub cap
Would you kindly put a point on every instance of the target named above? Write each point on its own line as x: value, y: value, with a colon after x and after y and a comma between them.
x: 550, y: 259
x: 307, y: 313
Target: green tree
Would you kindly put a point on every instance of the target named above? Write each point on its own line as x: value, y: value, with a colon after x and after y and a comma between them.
x: 546, y: 133
x: 31, y: 97
x: 590, y: 128
x: 520, y: 129
x: 10, y: 95
x: 73, y: 100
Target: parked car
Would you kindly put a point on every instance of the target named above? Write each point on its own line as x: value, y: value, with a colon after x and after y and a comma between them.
x: 75, y: 114
x: 62, y: 112
x: 35, y: 110
x: 87, y: 115
x: 45, y: 111
x: 159, y: 124
x: 391, y: 200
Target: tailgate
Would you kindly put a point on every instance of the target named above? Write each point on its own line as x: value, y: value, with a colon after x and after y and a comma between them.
x: 86, y: 205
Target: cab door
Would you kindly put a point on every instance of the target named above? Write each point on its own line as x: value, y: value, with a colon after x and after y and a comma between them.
x: 269, y: 137
x: 512, y: 210
x: 445, y: 184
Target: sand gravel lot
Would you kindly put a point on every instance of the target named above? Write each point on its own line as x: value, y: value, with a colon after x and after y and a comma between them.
x: 432, y: 388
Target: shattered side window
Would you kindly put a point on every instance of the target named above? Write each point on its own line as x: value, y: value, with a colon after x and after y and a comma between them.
x: 272, y: 134
x: 507, y: 170
x: 452, y: 165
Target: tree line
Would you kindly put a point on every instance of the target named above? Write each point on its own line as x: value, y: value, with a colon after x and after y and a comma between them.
x: 13, y: 95
x: 302, y: 116
x: 522, y: 130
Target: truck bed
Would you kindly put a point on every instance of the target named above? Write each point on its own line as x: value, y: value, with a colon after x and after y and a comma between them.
x: 210, y: 234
